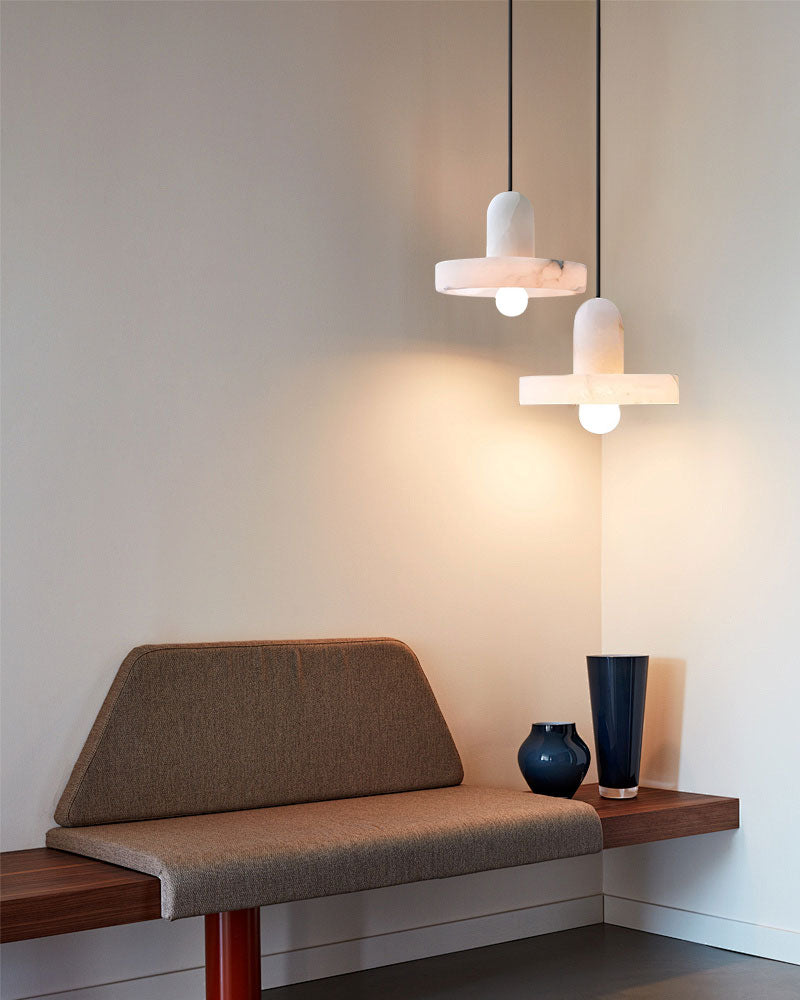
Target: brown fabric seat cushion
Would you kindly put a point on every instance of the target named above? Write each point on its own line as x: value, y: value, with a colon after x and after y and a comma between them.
x: 208, y: 727
x: 232, y: 860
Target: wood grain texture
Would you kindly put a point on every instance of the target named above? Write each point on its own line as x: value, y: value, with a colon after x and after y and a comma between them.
x: 659, y: 814
x: 43, y: 891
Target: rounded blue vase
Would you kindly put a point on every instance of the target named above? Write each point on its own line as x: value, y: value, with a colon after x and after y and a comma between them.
x: 554, y: 759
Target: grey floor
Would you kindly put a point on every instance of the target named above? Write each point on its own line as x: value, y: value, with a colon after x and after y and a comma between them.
x: 588, y: 963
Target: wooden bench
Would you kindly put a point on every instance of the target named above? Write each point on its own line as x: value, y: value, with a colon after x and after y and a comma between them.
x: 44, y: 891
x: 236, y: 775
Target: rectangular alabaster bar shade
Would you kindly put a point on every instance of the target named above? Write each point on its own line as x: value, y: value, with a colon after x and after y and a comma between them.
x: 577, y: 389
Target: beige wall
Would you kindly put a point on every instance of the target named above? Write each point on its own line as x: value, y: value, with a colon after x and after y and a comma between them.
x: 234, y: 406
x: 700, y: 504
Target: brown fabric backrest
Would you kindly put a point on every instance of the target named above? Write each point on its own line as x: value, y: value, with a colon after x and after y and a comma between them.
x: 212, y: 727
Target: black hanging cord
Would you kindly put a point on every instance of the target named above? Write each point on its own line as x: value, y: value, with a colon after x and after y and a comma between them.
x: 510, y: 68
x: 597, y: 162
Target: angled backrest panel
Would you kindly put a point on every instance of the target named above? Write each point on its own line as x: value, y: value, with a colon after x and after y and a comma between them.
x: 188, y: 729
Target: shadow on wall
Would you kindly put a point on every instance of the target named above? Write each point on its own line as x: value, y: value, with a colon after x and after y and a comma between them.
x: 663, y: 723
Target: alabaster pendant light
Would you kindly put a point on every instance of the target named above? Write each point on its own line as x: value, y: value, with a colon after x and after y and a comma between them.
x: 510, y: 272
x: 598, y: 384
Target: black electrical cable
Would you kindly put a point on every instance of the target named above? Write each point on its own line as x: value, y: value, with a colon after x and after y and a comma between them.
x: 510, y: 71
x: 598, y: 52
x: 597, y: 137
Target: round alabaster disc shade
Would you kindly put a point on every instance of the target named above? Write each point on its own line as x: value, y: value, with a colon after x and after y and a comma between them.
x: 483, y: 276
x: 538, y: 390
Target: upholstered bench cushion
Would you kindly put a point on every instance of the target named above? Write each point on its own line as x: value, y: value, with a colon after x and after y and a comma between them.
x: 210, y: 727
x: 232, y: 860
x: 250, y: 773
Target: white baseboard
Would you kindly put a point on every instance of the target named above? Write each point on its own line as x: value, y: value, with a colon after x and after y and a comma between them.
x: 319, y: 962
x: 424, y: 942
x: 702, y: 928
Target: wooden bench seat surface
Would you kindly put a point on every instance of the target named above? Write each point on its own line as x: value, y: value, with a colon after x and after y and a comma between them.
x: 659, y: 814
x: 45, y: 892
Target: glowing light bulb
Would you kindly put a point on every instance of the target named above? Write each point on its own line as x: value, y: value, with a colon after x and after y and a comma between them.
x: 511, y: 301
x: 598, y: 418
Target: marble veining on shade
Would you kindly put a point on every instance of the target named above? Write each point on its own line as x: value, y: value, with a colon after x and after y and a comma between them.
x: 482, y: 276
x: 510, y: 260
x: 598, y: 367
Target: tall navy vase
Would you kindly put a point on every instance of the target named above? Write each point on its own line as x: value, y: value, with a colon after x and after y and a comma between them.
x: 617, y: 685
x: 554, y: 759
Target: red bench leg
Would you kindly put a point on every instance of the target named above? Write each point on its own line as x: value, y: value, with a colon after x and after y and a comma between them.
x: 233, y: 955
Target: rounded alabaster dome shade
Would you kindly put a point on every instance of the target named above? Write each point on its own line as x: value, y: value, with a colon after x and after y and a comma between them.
x: 598, y: 367
x: 598, y: 339
x: 510, y: 260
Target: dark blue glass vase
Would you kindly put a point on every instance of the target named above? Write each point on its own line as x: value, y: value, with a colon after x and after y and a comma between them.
x: 617, y: 685
x: 554, y: 759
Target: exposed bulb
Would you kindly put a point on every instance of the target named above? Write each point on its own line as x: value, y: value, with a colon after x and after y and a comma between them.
x: 599, y: 418
x: 511, y: 301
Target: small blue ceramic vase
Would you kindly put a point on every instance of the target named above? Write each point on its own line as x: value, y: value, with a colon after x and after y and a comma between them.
x: 554, y: 759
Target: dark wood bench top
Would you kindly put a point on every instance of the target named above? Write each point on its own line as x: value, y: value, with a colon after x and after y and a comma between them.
x: 659, y: 814
x: 44, y: 892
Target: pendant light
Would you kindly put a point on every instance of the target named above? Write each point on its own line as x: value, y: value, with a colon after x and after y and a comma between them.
x: 510, y: 272
x: 598, y: 384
